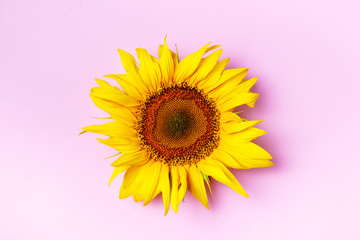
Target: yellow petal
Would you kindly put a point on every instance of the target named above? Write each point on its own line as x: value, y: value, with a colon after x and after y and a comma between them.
x: 117, y: 171
x: 232, y: 74
x: 212, y: 48
x: 130, y: 67
x: 111, y: 129
x: 229, y: 81
x: 113, y: 94
x: 229, y: 117
x: 102, y: 83
x: 174, y: 56
x: 123, y: 144
x: 119, y: 112
x: 246, y: 84
x: 152, y: 181
x: 158, y: 188
x: 160, y: 50
x: 136, y: 184
x: 183, y: 183
x: 127, y: 61
x: 232, y: 127
x: 247, y: 150
x: 126, y: 85
x: 225, y: 158
x: 131, y: 181
x: 149, y: 70
x: 220, y: 173
x: 165, y: 187
x: 140, y: 188
x: 247, y: 155
x: 214, y: 76
x: 205, y: 66
x: 196, y: 185
x: 235, y: 100
x: 167, y: 64
x: 231, y: 89
x: 188, y: 65
x: 134, y: 158
x: 212, y: 168
x: 244, y: 136
x: 175, y: 188
x: 239, y: 161
x: 252, y: 102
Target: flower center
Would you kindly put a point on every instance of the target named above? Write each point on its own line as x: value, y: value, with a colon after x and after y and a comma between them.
x: 178, y: 125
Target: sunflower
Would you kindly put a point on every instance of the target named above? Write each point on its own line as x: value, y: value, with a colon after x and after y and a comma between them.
x: 174, y: 125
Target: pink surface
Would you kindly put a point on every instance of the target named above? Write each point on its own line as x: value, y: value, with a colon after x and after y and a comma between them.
x: 306, y: 55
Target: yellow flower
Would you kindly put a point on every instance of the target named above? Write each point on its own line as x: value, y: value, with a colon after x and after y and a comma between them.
x: 174, y: 125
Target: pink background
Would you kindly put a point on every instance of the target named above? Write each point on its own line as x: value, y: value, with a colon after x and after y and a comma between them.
x: 306, y: 55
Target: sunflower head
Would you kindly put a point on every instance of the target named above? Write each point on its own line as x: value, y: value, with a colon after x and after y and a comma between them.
x: 174, y: 125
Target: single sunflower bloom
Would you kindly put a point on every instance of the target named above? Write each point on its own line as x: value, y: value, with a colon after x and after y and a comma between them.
x: 174, y: 125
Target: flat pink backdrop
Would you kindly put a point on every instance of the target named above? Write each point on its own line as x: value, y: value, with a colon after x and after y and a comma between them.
x: 306, y: 55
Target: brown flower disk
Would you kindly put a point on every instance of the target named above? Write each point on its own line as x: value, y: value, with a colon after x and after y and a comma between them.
x: 178, y: 125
